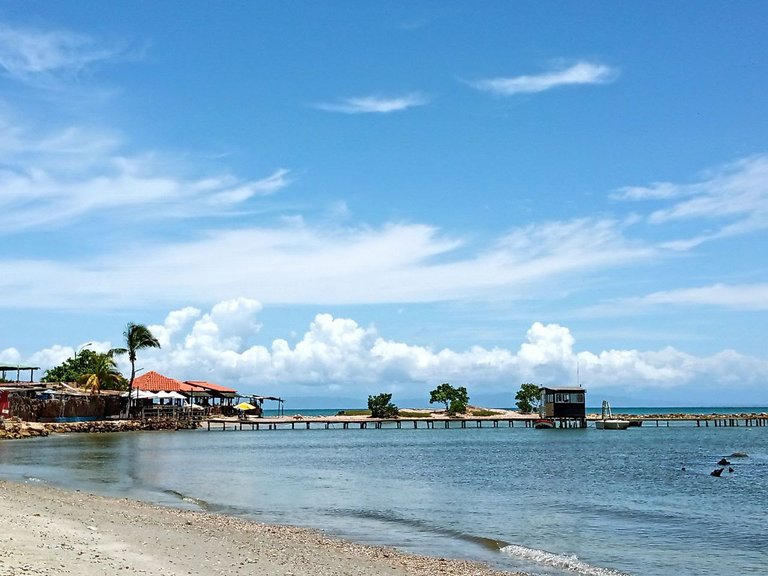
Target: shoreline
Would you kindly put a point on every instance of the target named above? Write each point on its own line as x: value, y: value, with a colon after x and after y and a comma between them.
x: 48, y: 530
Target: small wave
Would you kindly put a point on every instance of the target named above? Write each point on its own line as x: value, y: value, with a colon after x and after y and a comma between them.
x: 35, y: 479
x: 424, y: 526
x: 202, y: 504
x: 561, y: 561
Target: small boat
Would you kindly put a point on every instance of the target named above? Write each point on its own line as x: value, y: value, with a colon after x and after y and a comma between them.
x: 608, y: 422
x: 544, y: 424
x: 635, y: 422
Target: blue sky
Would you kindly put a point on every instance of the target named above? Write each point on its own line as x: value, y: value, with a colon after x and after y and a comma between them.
x: 329, y: 200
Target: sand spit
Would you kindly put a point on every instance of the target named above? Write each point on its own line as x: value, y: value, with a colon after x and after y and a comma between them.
x: 44, y: 530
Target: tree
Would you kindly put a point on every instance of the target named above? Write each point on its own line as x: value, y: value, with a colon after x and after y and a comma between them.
x: 455, y: 399
x: 84, y: 363
x: 381, y: 407
x: 528, y: 398
x: 137, y: 337
x: 104, y: 375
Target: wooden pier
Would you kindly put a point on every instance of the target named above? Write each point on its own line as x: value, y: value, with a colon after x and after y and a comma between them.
x: 363, y: 423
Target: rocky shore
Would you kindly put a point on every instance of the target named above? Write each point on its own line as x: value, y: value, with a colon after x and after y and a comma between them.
x: 14, y: 429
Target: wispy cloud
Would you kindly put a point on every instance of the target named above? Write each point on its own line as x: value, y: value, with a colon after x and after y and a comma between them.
x: 374, y: 104
x: 737, y: 297
x: 736, y: 193
x: 33, y: 55
x: 68, y: 175
x: 579, y: 73
x: 299, y: 264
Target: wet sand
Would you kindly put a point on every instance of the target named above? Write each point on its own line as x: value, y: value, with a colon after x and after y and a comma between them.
x: 44, y: 530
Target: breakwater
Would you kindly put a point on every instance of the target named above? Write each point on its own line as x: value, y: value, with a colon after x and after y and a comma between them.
x: 14, y: 429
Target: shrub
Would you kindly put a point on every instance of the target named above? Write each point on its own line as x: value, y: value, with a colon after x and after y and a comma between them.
x: 381, y: 407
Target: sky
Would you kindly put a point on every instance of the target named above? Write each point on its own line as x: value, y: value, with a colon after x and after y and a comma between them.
x: 324, y: 201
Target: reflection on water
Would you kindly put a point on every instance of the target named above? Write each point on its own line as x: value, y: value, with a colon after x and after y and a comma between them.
x: 550, y: 502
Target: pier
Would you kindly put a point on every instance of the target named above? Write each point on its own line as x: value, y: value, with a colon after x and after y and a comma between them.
x: 363, y: 423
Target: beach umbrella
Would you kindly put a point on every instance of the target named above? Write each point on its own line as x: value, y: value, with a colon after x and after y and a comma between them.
x: 245, y: 406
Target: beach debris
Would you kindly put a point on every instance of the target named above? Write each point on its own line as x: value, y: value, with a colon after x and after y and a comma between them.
x: 723, y: 462
x: 739, y: 455
x: 717, y: 472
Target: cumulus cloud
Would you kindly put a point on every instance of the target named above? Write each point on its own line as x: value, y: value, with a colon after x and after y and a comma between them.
x: 374, y: 104
x: 339, y: 357
x: 580, y: 73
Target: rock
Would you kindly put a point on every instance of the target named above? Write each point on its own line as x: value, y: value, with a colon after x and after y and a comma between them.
x: 739, y: 455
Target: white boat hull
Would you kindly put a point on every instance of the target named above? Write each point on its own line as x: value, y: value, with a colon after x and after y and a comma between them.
x: 612, y: 424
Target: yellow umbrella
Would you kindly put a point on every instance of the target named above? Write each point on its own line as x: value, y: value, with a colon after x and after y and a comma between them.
x: 245, y: 406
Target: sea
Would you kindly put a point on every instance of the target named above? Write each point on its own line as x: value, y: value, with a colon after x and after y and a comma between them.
x: 545, y: 502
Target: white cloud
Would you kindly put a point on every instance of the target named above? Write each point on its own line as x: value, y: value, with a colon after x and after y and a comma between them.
x: 30, y: 54
x: 579, y: 73
x: 68, y: 175
x: 736, y: 193
x: 298, y: 264
x: 374, y: 104
x: 737, y: 297
x: 337, y: 356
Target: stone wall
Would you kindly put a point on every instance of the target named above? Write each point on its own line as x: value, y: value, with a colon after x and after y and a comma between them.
x: 95, y: 406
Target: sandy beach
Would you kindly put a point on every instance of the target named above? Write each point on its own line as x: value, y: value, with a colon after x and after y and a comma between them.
x: 44, y: 530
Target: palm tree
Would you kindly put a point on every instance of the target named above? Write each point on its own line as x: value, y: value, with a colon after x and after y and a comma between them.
x: 137, y: 337
x: 104, y: 374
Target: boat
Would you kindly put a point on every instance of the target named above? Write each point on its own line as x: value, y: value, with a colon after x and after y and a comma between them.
x: 544, y: 424
x: 608, y: 422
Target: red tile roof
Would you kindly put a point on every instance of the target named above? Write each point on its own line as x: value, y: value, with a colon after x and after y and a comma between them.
x: 210, y: 386
x: 153, y: 382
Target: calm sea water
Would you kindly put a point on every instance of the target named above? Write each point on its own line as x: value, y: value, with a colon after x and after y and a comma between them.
x: 556, y: 502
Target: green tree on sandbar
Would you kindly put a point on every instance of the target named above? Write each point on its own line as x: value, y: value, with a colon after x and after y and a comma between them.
x: 455, y: 399
x: 137, y: 337
x: 528, y: 398
x: 382, y: 407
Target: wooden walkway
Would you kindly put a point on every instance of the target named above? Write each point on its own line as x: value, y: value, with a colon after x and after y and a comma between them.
x: 362, y: 423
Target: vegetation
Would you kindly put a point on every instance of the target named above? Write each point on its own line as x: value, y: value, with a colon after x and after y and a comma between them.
x: 413, y: 414
x: 355, y: 412
x: 137, y: 337
x: 382, y: 407
x: 484, y: 412
x: 104, y: 375
x: 528, y: 398
x: 455, y: 399
x: 88, y: 363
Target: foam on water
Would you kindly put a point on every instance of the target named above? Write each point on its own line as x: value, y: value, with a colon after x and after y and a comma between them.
x: 560, y: 561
